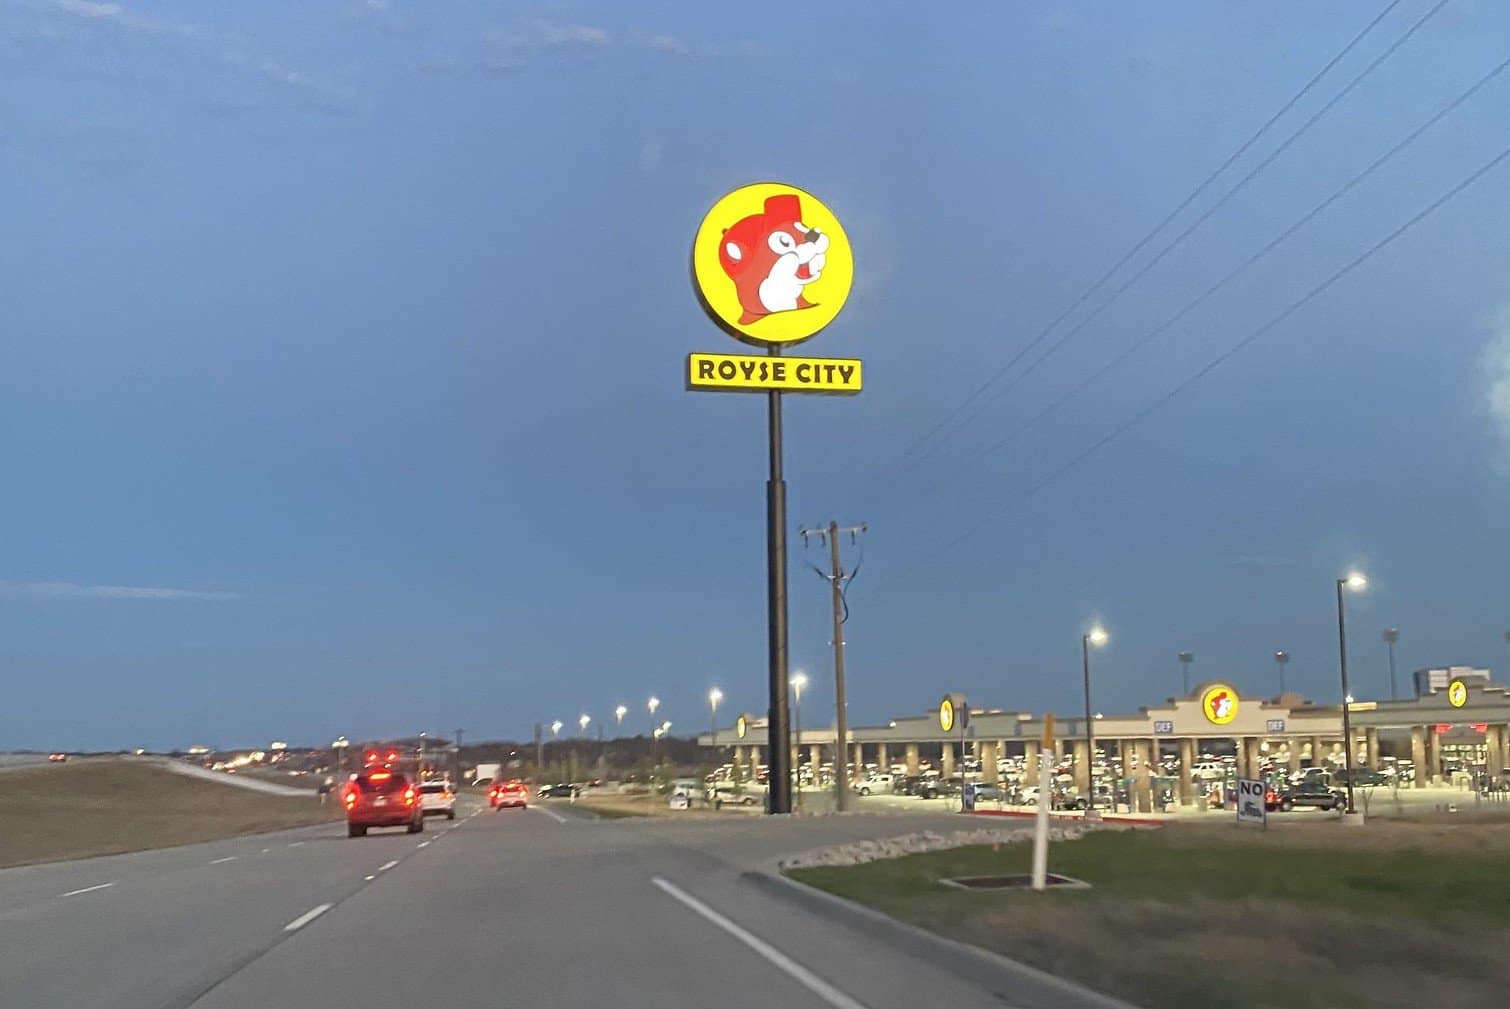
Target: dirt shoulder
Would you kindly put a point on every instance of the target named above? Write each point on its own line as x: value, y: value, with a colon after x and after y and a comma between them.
x: 104, y: 807
x: 1195, y: 917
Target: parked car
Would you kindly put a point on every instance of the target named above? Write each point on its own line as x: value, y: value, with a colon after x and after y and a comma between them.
x: 437, y: 799
x: 1208, y: 770
x: 1361, y: 776
x: 907, y: 784
x: 727, y: 795
x: 987, y: 792
x: 381, y: 798
x: 876, y: 784
x: 934, y: 788
x: 1312, y: 793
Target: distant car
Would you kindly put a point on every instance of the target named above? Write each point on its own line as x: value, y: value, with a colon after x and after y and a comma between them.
x: 513, y: 794
x: 937, y: 787
x: 727, y: 796
x: 437, y: 799
x: 876, y: 784
x: 1208, y: 770
x: 986, y: 792
x: 561, y: 791
x: 1362, y: 776
x: 381, y: 799
x: 1312, y: 793
x: 57, y: 758
x: 907, y: 784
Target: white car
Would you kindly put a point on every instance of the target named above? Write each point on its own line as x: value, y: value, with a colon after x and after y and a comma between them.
x: 437, y: 799
x: 1208, y: 770
x: 877, y: 784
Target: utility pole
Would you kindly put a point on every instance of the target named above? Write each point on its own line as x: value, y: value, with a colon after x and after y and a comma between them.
x: 539, y: 759
x: 837, y: 578
x: 1391, y: 635
x: 460, y: 761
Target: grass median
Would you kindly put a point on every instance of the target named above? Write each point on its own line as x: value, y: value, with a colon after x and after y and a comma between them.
x: 104, y: 807
x: 1204, y: 917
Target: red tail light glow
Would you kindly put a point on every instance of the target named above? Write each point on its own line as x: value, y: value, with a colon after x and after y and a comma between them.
x: 351, y: 799
x: 409, y: 796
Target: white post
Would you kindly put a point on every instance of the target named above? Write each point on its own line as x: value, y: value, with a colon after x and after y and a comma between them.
x: 1041, y: 825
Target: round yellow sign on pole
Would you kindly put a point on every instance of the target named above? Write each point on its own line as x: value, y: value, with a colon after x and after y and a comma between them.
x: 741, y: 727
x: 1219, y: 704
x: 946, y: 714
x: 771, y: 264
x: 1457, y: 693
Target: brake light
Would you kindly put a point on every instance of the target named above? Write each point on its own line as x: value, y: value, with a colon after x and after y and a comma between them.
x: 351, y: 799
x: 392, y: 755
x: 380, y: 775
x: 409, y: 796
x: 372, y: 756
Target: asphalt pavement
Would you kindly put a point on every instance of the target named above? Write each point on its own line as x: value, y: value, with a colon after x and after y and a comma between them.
x: 541, y: 907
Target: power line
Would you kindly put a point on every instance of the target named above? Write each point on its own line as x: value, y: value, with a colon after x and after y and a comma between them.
x: 1207, y: 213
x: 1251, y: 260
x: 1168, y: 218
x: 1236, y: 348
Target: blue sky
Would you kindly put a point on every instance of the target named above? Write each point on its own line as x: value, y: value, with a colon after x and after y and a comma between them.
x: 343, y: 345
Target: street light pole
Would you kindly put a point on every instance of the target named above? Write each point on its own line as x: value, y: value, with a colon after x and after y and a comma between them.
x: 1186, y: 658
x: 798, y: 681
x: 1356, y: 582
x: 1391, y: 635
x: 1096, y: 636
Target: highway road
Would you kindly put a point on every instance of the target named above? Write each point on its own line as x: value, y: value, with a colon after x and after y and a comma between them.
x: 541, y: 907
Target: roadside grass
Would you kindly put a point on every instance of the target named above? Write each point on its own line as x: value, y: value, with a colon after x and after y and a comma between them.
x: 104, y: 807
x: 1192, y: 918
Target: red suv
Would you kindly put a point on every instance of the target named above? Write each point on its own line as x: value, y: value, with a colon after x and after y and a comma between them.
x: 382, y: 799
x: 509, y: 793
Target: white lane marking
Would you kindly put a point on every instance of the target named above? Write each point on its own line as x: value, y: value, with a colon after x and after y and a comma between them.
x: 294, y: 844
x: 369, y: 878
x: 548, y: 812
x: 424, y: 844
x: 793, y: 969
x: 387, y: 865
x: 306, y: 918
x: 266, y: 850
x: 228, y: 858
x: 88, y: 889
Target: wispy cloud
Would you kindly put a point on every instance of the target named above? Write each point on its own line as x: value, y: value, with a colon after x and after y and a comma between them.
x: 85, y: 9
x: 73, y: 590
x: 572, y: 36
x: 665, y: 44
x: 1494, y: 363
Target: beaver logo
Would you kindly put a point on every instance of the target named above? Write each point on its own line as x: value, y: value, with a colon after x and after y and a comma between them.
x: 771, y: 256
x: 1219, y: 704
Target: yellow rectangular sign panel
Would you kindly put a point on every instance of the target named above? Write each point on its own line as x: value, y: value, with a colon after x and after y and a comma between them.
x: 748, y: 373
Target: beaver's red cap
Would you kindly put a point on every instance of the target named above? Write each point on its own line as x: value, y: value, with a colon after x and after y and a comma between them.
x: 786, y: 207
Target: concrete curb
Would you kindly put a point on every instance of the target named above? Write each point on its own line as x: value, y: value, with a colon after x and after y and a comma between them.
x: 1137, y: 821
x: 1026, y: 986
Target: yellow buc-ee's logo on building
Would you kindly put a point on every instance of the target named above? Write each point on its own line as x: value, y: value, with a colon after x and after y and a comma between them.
x: 1219, y: 704
x: 771, y: 264
x: 741, y: 727
x: 946, y: 714
x: 1457, y: 693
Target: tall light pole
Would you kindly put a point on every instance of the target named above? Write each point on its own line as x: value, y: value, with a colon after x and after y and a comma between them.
x: 339, y: 745
x: 556, y: 728
x: 798, y: 683
x: 618, y: 718
x: 1186, y: 658
x: 419, y: 771
x: 1357, y: 582
x: 1391, y: 635
x: 714, y: 696
x: 582, y: 722
x: 1095, y: 636
x: 652, y: 704
x: 1281, y: 659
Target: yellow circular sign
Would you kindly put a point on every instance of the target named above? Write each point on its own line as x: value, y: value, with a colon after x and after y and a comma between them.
x: 1219, y: 704
x: 771, y: 264
x: 1457, y: 693
x: 740, y: 727
x: 946, y: 714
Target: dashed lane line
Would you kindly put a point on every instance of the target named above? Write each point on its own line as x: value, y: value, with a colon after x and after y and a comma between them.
x: 306, y: 918
x: 228, y: 858
x: 88, y: 889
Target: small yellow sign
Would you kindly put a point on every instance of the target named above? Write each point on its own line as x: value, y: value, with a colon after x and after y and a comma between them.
x: 771, y: 264
x: 1457, y: 693
x: 749, y: 373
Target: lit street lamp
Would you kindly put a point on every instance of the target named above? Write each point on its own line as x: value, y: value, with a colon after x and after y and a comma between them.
x: 339, y: 745
x: 556, y: 727
x: 652, y: 704
x: 618, y: 715
x: 1095, y: 636
x: 798, y: 683
x: 582, y: 723
x: 714, y: 696
x: 1357, y: 582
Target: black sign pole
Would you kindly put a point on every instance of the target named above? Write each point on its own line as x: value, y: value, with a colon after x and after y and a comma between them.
x: 779, y: 774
